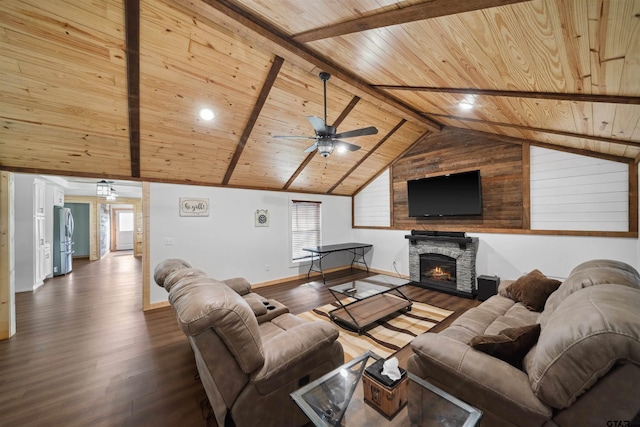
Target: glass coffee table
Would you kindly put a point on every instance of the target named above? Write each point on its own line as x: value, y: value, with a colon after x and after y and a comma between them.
x: 373, y: 298
x: 337, y: 399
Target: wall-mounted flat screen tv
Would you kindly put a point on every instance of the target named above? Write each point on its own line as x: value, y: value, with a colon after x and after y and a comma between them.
x: 456, y: 194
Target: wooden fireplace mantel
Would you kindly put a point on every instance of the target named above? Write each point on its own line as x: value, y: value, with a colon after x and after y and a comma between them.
x: 461, y: 239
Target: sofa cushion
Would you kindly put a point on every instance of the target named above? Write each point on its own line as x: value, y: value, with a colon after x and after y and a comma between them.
x: 585, y: 277
x: 475, y: 321
x: 533, y: 289
x: 510, y: 345
x: 517, y: 315
x: 587, y: 334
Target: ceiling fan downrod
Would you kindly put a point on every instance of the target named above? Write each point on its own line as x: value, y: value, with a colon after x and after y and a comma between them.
x: 324, y: 77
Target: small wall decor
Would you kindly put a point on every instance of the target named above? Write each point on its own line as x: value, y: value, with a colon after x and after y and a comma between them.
x: 190, y: 206
x: 262, y: 218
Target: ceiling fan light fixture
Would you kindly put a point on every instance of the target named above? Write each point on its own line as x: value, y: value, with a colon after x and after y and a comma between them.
x: 105, y: 189
x: 325, y: 147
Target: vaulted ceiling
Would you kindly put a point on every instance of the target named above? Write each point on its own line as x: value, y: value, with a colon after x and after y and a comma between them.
x: 112, y: 88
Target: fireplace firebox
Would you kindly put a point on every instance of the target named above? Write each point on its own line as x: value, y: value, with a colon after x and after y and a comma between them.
x: 438, y: 270
x: 443, y: 261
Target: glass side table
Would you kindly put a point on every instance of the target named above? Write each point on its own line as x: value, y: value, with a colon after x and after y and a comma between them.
x: 336, y: 399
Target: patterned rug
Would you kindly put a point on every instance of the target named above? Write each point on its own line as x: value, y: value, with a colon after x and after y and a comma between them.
x: 387, y: 336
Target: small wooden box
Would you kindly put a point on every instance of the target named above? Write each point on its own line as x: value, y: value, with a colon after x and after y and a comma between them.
x: 387, y: 401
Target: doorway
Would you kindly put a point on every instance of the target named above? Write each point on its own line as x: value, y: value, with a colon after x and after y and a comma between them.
x: 123, y: 229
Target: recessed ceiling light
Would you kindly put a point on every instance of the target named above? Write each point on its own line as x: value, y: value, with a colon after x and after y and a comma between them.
x: 341, y: 149
x: 206, y: 114
x: 464, y: 105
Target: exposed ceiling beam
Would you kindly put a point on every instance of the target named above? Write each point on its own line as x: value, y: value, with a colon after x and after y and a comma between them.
x: 519, y: 141
x: 303, y: 165
x: 366, y: 156
x: 132, y: 41
x: 417, y: 12
x: 257, y: 108
x: 280, y: 41
x: 532, y: 129
x: 346, y: 111
x: 579, y: 97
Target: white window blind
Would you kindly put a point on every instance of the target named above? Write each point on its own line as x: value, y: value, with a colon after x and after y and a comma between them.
x: 305, y: 227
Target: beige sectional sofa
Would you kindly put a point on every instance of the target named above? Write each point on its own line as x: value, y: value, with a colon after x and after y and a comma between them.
x: 251, y: 353
x: 584, y: 369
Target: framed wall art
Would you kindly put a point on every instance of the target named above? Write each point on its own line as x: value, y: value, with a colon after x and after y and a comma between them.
x: 190, y: 206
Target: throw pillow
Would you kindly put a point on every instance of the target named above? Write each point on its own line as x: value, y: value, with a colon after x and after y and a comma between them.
x: 510, y: 345
x: 533, y: 289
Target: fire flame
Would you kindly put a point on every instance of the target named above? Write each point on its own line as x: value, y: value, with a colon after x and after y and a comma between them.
x: 439, y: 274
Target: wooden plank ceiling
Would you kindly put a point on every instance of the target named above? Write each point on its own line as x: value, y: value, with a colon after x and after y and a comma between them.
x: 87, y: 92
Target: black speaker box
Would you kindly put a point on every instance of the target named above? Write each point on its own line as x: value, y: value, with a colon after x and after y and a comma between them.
x: 487, y: 287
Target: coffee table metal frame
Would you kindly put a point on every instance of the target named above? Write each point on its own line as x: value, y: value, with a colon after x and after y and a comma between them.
x: 329, y: 418
x: 373, y: 301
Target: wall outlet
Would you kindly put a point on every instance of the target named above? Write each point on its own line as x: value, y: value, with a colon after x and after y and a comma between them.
x: 169, y: 241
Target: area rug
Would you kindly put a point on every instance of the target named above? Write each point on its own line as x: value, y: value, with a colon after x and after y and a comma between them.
x: 389, y: 335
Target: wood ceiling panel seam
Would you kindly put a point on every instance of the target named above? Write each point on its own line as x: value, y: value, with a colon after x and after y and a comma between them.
x: 53, y: 19
x: 24, y: 47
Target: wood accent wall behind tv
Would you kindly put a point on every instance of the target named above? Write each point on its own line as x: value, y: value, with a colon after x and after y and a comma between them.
x: 501, y: 171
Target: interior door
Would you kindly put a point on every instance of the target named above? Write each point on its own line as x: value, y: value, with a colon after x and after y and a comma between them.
x: 124, y: 230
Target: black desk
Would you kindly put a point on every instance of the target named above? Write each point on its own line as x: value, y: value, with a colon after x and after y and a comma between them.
x: 319, y: 252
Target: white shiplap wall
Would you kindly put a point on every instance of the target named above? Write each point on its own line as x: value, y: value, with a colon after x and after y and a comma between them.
x: 372, y: 206
x: 574, y: 192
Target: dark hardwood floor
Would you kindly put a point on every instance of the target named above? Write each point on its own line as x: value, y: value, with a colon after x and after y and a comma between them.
x: 86, y: 355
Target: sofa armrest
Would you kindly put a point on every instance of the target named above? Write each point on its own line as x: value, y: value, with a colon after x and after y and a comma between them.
x: 239, y: 284
x: 293, y: 353
x: 502, y: 288
x: 491, y: 385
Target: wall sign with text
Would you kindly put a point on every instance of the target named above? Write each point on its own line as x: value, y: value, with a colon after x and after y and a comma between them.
x: 190, y: 206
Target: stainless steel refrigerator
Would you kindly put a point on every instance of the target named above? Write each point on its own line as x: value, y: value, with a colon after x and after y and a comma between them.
x: 62, y: 241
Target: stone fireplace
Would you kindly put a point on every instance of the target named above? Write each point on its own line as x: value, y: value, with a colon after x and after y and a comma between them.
x: 443, y: 261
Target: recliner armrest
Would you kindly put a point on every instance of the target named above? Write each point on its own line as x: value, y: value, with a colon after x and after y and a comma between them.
x: 481, y: 380
x: 293, y: 353
x: 239, y: 284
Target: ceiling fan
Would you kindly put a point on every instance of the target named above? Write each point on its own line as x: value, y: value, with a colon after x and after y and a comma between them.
x: 327, y: 138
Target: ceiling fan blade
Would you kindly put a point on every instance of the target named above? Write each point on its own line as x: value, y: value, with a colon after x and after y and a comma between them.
x: 310, y: 149
x: 318, y: 125
x: 293, y: 137
x: 358, y: 132
x: 346, y: 145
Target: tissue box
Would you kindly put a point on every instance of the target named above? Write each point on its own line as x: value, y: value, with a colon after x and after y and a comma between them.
x: 386, y: 399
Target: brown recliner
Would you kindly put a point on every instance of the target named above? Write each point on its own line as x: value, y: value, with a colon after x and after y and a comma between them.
x: 248, y: 369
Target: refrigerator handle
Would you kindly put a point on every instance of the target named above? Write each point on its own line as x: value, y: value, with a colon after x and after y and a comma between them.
x: 71, y: 225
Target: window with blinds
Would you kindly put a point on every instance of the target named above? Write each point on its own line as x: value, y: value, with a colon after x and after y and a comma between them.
x: 305, y: 227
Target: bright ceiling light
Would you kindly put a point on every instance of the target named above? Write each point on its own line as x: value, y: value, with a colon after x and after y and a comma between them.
x: 464, y: 105
x: 342, y: 149
x: 206, y: 114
